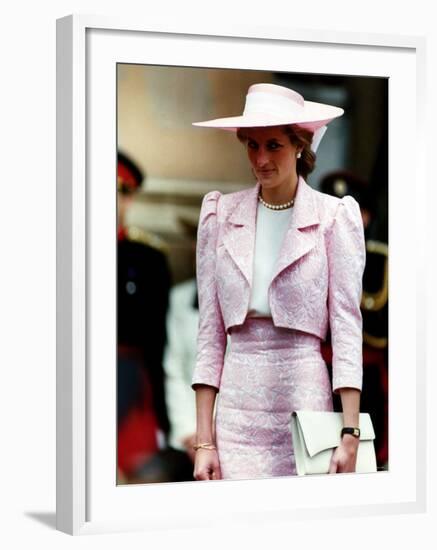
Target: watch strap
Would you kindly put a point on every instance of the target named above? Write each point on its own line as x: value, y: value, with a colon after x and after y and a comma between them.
x: 351, y: 431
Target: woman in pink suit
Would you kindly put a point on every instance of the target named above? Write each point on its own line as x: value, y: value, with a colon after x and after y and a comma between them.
x: 277, y: 265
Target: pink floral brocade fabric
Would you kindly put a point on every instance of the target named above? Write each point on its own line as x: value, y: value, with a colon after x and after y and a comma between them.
x: 268, y: 373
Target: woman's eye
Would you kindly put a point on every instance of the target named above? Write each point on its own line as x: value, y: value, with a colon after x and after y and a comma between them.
x: 251, y: 144
x: 274, y: 146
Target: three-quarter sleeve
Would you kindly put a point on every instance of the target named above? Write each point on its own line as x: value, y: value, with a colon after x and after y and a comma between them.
x: 346, y: 257
x: 211, y: 339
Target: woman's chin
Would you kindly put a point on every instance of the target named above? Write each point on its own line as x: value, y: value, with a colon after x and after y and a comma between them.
x: 267, y: 183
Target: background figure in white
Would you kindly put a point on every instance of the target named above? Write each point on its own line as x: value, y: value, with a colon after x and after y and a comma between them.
x: 179, y: 360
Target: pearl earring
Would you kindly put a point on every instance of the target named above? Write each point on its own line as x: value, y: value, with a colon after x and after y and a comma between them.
x: 299, y: 155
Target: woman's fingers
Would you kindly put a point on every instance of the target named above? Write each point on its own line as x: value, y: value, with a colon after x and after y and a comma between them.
x: 217, y: 474
x: 211, y: 473
x: 201, y: 475
x: 333, y: 465
x: 207, y: 466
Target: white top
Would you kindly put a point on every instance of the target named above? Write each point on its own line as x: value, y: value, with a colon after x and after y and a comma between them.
x: 271, y: 226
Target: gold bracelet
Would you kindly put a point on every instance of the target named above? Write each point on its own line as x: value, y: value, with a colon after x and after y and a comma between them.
x: 207, y: 446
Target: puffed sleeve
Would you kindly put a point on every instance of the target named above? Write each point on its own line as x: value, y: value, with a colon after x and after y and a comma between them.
x: 211, y: 338
x: 346, y: 257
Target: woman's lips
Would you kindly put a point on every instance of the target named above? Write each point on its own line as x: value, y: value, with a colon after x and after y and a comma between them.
x: 265, y: 172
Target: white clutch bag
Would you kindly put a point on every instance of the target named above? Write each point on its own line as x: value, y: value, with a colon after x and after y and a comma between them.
x: 316, y: 434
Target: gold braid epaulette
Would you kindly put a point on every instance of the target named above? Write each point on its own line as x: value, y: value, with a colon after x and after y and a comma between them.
x: 374, y: 301
x: 379, y: 342
x: 139, y: 235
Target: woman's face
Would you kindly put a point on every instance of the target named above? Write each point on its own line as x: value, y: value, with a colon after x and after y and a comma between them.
x: 272, y: 156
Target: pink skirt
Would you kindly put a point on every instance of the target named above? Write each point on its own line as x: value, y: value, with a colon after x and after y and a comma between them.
x: 268, y: 373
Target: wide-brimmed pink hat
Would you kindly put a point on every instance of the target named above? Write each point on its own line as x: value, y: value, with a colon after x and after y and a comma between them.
x: 273, y: 105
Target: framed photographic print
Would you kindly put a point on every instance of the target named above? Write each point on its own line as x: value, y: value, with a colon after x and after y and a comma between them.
x: 131, y: 174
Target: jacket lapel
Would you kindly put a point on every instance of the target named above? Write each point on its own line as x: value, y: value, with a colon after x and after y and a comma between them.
x: 239, y: 232
x: 298, y: 241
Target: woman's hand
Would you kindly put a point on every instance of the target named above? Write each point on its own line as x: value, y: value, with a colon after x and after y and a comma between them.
x: 206, y: 465
x: 344, y: 458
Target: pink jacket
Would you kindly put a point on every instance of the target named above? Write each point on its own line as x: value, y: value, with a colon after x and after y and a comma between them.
x: 317, y: 281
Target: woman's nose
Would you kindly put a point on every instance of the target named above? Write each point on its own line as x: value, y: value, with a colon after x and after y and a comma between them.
x: 262, y: 157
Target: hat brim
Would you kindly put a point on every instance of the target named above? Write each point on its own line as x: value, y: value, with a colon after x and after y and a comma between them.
x: 313, y: 116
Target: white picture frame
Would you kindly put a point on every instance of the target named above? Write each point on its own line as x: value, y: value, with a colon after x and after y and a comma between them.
x: 86, y: 500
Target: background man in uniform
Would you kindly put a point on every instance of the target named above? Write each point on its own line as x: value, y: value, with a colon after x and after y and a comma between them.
x: 143, y: 283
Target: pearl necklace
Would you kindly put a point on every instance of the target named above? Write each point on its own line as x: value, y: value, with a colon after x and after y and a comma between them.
x: 284, y: 206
